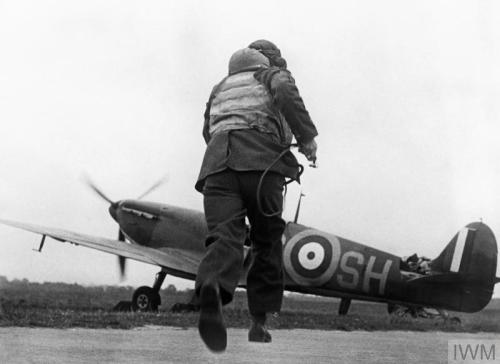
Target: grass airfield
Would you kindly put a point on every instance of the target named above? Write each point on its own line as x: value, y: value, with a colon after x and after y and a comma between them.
x: 60, y: 305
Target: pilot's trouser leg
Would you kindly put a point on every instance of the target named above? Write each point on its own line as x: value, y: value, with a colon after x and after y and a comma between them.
x: 225, y: 215
x: 265, y: 277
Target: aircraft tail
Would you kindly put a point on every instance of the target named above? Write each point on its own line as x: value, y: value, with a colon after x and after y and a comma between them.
x: 469, y: 261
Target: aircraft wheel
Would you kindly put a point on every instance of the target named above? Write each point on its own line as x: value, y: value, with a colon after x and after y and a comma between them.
x: 145, y: 299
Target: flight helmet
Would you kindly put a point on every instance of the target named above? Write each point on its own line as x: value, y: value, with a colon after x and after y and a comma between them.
x: 247, y: 58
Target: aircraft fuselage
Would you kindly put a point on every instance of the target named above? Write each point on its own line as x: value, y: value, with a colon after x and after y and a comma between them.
x: 315, y: 262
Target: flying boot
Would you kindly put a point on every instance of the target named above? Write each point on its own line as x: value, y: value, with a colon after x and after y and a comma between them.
x: 211, y: 322
x: 258, y: 331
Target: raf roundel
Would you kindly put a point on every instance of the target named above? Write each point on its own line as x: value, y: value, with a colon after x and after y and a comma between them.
x: 311, y: 258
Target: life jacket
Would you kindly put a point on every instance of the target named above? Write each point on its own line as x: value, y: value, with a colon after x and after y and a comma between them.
x: 242, y: 102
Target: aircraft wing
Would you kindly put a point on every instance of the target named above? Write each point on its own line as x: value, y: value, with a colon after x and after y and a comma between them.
x: 174, y: 259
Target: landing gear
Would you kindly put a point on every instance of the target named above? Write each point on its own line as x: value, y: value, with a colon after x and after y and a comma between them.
x: 345, y: 303
x: 145, y: 299
x: 148, y: 298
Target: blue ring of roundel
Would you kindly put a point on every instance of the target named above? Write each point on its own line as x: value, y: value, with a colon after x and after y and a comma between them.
x: 322, y: 268
x: 317, y: 276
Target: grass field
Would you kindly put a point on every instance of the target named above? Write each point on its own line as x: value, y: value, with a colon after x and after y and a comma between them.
x: 63, y: 305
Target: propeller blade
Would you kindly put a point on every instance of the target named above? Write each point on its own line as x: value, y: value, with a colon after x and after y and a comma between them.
x: 121, y: 237
x: 154, y: 186
x: 122, y: 262
x: 96, y: 189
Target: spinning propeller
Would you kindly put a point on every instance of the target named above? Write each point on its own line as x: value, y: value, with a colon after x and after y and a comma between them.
x: 112, y: 210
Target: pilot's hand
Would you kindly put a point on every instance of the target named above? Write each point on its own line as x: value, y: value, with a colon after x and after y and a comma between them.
x: 309, y: 150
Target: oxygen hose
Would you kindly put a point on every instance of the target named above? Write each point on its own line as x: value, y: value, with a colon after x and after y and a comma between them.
x: 261, y: 180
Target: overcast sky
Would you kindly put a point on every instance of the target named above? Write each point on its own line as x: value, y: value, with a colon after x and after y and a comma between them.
x: 405, y: 96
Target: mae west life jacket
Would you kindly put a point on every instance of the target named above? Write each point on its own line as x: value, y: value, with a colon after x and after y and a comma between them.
x: 242, y: 102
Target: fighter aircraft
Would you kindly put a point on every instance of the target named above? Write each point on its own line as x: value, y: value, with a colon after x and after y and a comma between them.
x: 461, y: 278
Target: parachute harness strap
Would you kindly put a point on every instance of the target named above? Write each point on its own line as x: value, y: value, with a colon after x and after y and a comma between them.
x: 266, y: 171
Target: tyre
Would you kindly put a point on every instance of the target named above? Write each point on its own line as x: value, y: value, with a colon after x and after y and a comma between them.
x: 145, y: 299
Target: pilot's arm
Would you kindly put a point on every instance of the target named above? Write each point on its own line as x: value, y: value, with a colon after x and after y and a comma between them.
x: 288, y: 100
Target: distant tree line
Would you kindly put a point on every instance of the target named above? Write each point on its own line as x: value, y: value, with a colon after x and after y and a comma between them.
x: 62, y: 286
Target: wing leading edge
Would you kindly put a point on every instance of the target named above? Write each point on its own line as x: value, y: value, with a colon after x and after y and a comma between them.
x: 173, y: 259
